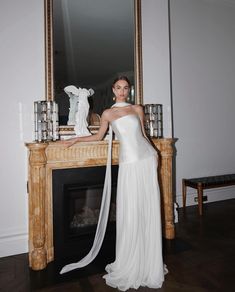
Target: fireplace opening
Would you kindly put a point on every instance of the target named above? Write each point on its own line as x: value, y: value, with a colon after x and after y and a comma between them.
x: 77, y: 195
x: 83, y: 207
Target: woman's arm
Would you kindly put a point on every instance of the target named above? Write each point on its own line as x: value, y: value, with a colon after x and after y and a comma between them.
x: 96, y: 137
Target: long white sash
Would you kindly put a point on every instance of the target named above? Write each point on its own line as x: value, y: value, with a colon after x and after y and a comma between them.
x: 103, y: 216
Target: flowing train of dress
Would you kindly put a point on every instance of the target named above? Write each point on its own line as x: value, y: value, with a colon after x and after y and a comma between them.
x: 139, y: 238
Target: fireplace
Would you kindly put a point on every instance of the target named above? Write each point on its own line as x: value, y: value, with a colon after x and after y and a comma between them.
x: 45, y: 159
x: 77, y: 195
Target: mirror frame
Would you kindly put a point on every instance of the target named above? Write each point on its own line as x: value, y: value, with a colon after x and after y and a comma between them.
x: 49, y: 65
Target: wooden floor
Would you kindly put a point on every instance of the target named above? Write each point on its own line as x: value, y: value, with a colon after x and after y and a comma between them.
x: 201, y: 258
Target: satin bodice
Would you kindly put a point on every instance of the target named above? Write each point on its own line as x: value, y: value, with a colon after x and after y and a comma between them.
x: 133, y: 145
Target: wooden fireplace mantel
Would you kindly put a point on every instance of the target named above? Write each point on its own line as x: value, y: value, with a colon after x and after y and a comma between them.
x: 44, y: 157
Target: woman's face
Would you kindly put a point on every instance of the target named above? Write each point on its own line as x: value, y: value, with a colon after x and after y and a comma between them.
x: 121, y: 89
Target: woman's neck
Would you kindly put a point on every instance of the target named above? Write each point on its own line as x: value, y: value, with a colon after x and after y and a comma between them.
x: 120, y: 104
x: 120, y: 100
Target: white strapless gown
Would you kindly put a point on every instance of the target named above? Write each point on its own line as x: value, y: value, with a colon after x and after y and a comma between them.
x: 139, y: 237
x: 138, y: 220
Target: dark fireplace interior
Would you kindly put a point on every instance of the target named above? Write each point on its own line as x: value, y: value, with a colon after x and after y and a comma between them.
x: 77, y: 195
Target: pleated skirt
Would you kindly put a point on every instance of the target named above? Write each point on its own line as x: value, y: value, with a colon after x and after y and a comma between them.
x: 138, y: 228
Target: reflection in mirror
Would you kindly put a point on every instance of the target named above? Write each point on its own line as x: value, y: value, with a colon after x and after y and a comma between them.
x: 93, y: 42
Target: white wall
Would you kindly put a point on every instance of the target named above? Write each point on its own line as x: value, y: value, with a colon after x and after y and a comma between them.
x: 203, y: 63
x: 22, y: 82
x: 156, y: 64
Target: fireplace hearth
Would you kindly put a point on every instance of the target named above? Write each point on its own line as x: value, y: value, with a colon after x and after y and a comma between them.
x: 77, y: 195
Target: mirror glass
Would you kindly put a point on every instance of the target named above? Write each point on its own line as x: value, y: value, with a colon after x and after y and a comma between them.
x: 93, y: 43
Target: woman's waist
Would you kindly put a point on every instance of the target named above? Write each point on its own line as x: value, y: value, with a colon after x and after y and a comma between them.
x: 134, y: 152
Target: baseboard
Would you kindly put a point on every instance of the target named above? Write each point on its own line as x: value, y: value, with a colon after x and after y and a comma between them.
x: 12, y: 244
x: 213, y: 195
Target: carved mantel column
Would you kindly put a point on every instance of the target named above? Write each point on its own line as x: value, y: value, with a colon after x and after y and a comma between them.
x: 36, y: 185
x: 165, y: 149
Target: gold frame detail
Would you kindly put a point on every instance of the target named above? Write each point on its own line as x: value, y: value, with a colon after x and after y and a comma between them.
x: 49, y: 66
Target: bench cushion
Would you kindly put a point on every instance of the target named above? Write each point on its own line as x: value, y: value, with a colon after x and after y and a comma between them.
x: 211, y: 180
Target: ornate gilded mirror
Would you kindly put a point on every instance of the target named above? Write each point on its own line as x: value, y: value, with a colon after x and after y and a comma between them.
x: 88, y: 44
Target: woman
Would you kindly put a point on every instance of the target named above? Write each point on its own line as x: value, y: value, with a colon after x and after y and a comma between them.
x: 138, y: 234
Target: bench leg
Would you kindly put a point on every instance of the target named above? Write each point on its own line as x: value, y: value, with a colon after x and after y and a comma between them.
x: 184, y: 193
x: 200, y: 197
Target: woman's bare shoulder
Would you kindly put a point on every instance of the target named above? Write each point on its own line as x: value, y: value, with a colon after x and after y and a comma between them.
x: 107, y: 114
x: 138, y: 108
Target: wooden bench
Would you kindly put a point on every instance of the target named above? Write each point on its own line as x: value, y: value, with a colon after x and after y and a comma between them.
x: 202, y: 183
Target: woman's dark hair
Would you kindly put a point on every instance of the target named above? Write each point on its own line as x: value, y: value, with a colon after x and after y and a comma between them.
x: 121, y: 78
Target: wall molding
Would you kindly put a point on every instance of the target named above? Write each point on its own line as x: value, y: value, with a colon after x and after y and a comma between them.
x: 12, y: 243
